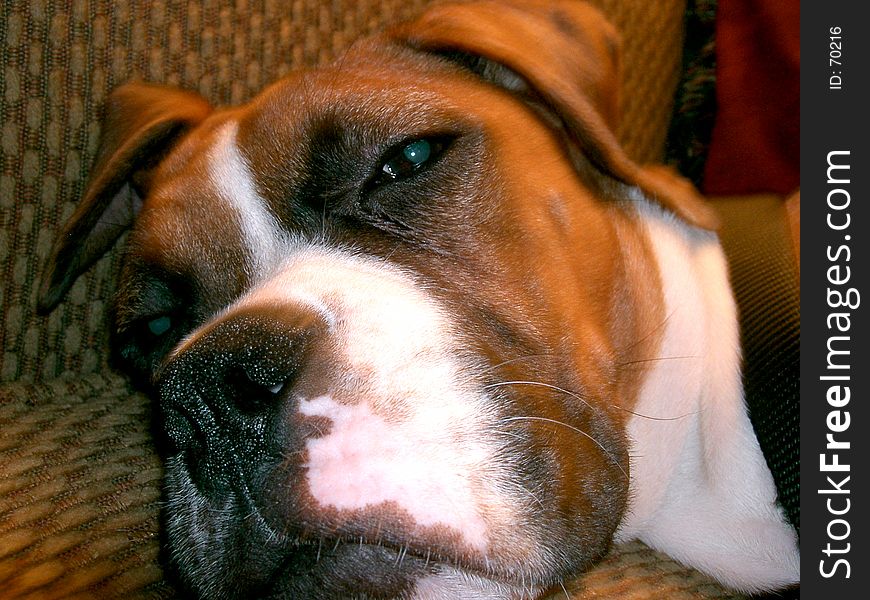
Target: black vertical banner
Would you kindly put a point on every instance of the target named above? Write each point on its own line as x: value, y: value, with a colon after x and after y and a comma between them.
x: 835, y: 300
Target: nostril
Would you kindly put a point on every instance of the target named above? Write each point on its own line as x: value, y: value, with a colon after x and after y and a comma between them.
x: 253, y: 389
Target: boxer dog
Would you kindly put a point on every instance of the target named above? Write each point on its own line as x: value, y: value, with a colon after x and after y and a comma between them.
x: 418, y: 328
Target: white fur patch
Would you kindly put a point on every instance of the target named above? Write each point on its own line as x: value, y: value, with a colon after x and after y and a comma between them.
x: 701, y: 490
x: 367, y: 460
x: 232, y: 178
x: 409, y: 423
x: 407, y: 419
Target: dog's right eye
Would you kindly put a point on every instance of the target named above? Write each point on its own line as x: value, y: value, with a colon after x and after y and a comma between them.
x: 409, y: 158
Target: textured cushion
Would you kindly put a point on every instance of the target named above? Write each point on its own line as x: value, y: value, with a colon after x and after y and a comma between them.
x: 758, y: 234
x: 79, y: 491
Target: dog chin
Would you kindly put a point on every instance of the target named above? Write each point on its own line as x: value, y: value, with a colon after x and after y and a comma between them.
x: 220, y: 546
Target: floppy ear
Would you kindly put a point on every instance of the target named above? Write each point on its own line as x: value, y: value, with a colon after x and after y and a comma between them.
x: 563, y: 57
x: 141, y: 122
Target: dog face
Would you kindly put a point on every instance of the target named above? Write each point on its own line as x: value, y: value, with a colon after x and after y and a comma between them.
x: 389, y: 309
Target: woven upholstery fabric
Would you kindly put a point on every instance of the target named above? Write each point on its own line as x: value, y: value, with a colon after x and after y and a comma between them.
x: 59, y: 61
x: 80, y: 493
x: 652, y: 41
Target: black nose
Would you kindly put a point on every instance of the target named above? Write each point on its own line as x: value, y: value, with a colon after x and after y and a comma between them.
x: 223, y: 390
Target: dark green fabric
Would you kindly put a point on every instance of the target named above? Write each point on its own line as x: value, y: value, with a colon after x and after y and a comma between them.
x: 756, y: 239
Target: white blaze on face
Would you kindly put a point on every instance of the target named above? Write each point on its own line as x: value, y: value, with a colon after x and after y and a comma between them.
x: 232, y: 178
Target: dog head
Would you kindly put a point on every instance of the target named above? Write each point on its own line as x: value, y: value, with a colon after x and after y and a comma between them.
x: 389, y: 308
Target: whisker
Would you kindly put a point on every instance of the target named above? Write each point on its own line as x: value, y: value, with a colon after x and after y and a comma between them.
x: 401, y: 557
x: 572, y: 428
x: 510, y: 434
x: 532, y: 494
x: 112, y: 222
x: 652, y: 331
x: 656, y: 359
x: 549, y: 386
x: 578, y: 397
x: 390, y: 254
x: 643, y: 416
x: 515, y: 360
x: 323, y: 219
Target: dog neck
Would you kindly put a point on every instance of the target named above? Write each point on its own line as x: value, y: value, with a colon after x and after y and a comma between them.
x: 693, y: 452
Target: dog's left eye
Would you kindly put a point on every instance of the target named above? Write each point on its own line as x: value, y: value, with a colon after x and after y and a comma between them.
x: 409, y: 158
x: 160, y: 325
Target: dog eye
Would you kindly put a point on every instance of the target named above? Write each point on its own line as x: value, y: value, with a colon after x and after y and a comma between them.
x: 159, y: 325
x: 410, y: 157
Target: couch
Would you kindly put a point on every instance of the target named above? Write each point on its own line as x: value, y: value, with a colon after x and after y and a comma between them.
x: 80, y: 482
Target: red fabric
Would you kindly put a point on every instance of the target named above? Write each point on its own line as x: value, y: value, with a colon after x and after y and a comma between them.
x: 755, y: 143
